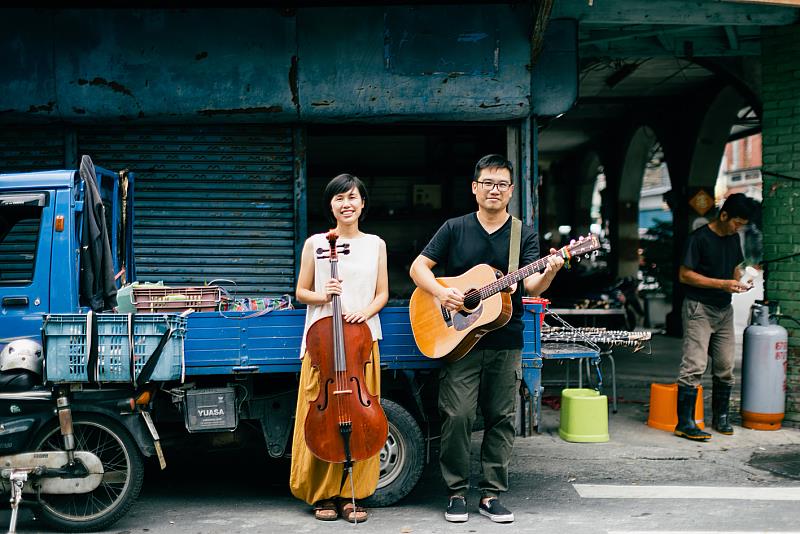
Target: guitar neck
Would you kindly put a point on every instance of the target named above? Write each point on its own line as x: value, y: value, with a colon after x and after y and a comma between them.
x: 514, y: 277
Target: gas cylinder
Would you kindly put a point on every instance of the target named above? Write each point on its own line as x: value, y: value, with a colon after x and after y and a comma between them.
x: 764, y: 359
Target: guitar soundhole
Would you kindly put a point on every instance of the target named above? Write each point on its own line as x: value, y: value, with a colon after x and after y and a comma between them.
x: 472, y: 299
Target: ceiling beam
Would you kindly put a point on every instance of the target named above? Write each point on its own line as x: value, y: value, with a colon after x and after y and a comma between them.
x: 709, y: 12
x: 622, y: 36
x: 795, y: 3
x: 705, y: 48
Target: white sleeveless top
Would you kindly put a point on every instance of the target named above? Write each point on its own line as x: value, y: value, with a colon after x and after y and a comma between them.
x: 358, y: 271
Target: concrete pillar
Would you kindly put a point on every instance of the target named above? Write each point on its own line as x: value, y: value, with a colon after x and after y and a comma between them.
x: 635, y: 159
x: 556, y: 208
x: 569, y: 189
x: 780, y: 56
x: 624, y: 159
x: 582, y: 192
x: 693, y: 149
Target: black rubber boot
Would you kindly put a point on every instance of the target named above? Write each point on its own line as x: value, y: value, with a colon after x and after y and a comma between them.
x: 720, y: 408
x: 686, y: 428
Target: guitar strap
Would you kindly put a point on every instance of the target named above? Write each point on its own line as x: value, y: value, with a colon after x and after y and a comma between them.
x: 513, y: 248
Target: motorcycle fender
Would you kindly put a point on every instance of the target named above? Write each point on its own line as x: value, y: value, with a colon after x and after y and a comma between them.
x: 30, y: 462
x: 132, y: 422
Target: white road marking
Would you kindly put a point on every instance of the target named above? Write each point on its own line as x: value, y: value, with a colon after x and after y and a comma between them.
x: 598, y: 491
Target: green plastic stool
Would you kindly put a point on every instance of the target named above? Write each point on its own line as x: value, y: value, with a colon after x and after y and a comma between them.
x: 584, y: 416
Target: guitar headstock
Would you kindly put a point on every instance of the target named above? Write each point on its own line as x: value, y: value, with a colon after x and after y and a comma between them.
x: 582, y: 246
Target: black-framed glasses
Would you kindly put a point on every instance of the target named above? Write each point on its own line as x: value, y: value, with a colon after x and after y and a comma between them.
x: 488, y: 185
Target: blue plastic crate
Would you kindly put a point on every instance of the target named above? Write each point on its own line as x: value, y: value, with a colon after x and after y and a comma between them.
x: 147, y: 332
x: 66, y: 356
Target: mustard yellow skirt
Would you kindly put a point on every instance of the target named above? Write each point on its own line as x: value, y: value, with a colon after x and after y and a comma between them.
x: 313, y: 480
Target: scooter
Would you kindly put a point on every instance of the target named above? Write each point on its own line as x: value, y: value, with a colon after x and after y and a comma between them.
x: 69, y: 451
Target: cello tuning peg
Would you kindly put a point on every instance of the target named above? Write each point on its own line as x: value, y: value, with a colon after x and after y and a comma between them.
x: 345, y: 251
x: 321, y: 250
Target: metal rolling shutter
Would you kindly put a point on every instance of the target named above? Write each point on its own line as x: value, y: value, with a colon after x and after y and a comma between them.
x: 211, y: 202
x: 31, y: 149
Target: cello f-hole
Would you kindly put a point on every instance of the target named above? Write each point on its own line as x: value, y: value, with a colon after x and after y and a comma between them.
x: 364, y: 402
x: 324, y: 405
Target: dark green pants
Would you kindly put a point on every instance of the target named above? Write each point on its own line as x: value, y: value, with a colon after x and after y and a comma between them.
x: 492, y: 378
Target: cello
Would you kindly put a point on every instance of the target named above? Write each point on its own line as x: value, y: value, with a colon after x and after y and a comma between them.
x: 345, y: 422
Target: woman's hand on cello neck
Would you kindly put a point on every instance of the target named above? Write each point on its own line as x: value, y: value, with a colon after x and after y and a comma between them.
x: 332, y: 287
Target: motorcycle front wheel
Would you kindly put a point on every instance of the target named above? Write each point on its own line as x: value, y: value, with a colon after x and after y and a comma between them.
x: 122, y: 478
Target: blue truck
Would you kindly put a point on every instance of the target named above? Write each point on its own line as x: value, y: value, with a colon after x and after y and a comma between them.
x: 238, y: 370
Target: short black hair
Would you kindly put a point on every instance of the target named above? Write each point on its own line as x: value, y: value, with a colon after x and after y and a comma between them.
x: 738, y: 205
x: 342, y: 184
x: 493, y: 161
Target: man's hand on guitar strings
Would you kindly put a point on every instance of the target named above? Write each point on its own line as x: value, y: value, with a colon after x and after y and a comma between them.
x: 451, y: 298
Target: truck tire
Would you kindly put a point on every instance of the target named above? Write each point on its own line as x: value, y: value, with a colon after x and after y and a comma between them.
x: 121, y: 484
x: 402, y: 457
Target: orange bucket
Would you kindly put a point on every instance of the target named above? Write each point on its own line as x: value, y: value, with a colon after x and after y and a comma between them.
x: 664, y: 407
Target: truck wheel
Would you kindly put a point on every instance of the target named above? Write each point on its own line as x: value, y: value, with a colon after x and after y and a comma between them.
x: 402, y: 457
x: 121, y: 484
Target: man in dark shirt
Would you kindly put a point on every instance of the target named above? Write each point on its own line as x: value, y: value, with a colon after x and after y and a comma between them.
x: 492, y: 370
x: 710, y: 273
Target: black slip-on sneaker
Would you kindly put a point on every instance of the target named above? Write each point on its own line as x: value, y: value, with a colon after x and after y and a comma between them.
x: 496, y: 511
x: 456, y: 509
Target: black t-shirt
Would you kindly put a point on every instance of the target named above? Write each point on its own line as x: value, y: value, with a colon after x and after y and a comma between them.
x: 462, y: 243
x: 713, y: 256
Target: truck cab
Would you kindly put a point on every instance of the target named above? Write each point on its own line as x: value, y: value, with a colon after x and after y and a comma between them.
x: 41, y: 225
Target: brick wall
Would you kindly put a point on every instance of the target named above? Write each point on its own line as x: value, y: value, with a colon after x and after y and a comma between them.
x: 780, y: 56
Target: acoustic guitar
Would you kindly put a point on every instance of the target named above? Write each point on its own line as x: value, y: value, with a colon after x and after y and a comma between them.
x: 440, y: 333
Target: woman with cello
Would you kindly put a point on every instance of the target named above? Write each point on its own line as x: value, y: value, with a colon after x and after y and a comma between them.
x: 361, y: 290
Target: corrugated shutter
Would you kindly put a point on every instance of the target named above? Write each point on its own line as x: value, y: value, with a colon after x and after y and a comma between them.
x: 31, y: 149
x: 211, y: 202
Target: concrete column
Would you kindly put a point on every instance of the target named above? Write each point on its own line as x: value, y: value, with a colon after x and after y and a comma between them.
x: 624, y: 159
x: 693, y: 149
x: 582, y: 192
x: 636, y: 156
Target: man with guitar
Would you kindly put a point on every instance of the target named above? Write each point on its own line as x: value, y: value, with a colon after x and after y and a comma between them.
x: 491, y: 371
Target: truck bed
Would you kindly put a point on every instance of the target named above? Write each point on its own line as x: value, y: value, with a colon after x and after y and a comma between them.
x: 238, y: 343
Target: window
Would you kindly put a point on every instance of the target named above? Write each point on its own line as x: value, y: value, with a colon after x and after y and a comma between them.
x: 20, y: 220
